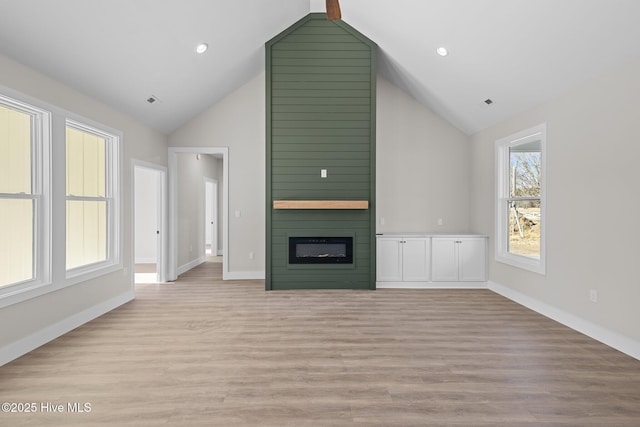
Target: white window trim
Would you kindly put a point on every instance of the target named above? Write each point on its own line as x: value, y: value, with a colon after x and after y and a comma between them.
x: 503, y: 145
x: 40, y: 194
x: 112, y: 197
x: 54, y: 275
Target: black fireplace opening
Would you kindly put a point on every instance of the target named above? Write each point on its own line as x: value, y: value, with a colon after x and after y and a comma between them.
x: 320, y: 250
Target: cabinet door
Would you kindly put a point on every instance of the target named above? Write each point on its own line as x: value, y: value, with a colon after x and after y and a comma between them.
x: 472, y: 259
x: 444, y: 259
x: 416, y: 259
x: 389, y: 259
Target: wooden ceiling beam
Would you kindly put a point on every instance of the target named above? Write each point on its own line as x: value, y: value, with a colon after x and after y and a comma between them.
x: 333, y: 10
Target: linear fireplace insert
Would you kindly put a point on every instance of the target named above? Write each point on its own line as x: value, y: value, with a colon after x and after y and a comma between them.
x: 320, y: 250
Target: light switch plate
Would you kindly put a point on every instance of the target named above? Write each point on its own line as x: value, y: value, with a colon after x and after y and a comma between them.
x: 323, y: 173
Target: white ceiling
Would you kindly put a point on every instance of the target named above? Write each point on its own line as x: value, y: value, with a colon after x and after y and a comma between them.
x: 519, y: 53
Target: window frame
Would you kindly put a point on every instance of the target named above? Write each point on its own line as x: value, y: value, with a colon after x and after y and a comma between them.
x: 40, y: 194
x: 502, y: 196
x: 52, y: 274
x: 112, y: 199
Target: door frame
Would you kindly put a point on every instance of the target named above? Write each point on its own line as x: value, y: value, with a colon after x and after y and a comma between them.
x: 162, y: 210
x: 172, y: 264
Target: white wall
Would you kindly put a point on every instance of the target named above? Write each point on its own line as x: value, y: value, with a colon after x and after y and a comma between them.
x: 592, y: 201
x: 37, y: 320
x: 237, y: 122
x: 422, y: 167
x: 146, y: 215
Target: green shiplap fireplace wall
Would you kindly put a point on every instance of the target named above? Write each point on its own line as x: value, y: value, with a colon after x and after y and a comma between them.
x: 321, y: 107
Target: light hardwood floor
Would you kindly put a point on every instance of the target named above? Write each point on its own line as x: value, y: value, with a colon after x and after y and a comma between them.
x: 202, y: 352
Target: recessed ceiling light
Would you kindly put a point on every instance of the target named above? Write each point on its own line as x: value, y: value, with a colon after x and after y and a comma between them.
x: 202, y: 48
x: 442, y: 51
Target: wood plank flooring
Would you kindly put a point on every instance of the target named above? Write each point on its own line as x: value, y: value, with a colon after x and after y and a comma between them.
x: 203, y: 352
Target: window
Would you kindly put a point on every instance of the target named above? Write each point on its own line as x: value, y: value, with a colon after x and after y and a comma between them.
x: 91, y: 202
x: 520, y: 199
x: 44, y: 195
x: 24, y: 196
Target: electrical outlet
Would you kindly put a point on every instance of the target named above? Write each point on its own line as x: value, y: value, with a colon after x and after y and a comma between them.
x: 593, y: 295
x: 381, y: 221
x: 251, y: 255
x: 440, y: 221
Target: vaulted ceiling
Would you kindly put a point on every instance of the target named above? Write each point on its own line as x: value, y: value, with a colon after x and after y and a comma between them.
x: 518, y: 53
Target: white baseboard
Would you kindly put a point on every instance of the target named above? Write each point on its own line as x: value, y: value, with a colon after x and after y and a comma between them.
x: 244, y: 275
x: 220, y: 252
x: 184, y: 268
x: 23, y: 346
x: 146, y: 260
x: 431, y: 285
x: 590, y: 329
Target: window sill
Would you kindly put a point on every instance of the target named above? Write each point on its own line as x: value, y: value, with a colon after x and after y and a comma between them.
x: 91, y: 271
x: 525, y: 263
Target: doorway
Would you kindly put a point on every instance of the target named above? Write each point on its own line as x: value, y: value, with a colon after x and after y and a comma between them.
x: 149, y: 212
x: 221, y: 153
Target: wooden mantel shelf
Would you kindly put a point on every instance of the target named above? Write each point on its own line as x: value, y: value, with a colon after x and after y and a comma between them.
x: 320, y: 204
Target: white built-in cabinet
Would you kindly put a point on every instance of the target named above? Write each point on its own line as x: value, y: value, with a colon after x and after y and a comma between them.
x: 403, y: 259
x: 424, y: 260
x: 458, y: 259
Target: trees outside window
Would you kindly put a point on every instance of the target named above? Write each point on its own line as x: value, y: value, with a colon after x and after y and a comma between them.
x: 520, y: 199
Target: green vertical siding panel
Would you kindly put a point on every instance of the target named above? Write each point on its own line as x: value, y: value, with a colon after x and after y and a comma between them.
x: 320, y: 115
